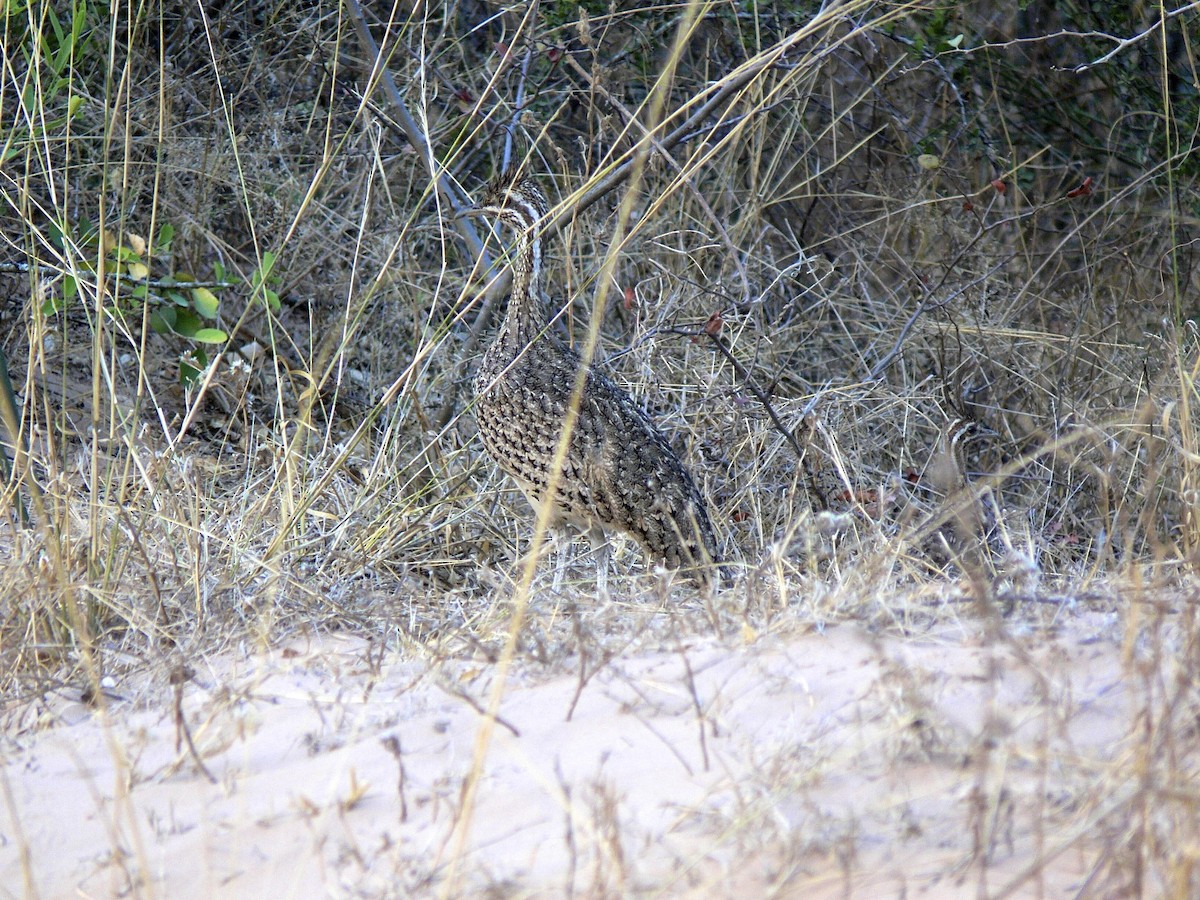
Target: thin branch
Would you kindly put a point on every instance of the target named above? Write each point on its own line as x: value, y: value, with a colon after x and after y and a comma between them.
x: 759, y: 394
x: 924, y: 306
x: 466, y: 698
x: 13, y: 268
x: 663, y: 152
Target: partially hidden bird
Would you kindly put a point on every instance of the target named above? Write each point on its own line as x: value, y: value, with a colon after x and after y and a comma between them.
x: 618, y: 472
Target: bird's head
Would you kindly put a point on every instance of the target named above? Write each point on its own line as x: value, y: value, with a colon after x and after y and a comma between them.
x: 512, y: 198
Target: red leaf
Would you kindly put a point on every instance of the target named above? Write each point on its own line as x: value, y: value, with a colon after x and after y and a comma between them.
x: 713, y: 326
x: 865, y: 498
x: 629, y: 297
x: 1083, y: 190
x: 999, y: 185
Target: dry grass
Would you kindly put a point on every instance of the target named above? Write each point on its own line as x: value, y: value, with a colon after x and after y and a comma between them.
x: 957, y: 382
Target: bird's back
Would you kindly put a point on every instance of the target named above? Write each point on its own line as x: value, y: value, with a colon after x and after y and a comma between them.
x: 619, y: 470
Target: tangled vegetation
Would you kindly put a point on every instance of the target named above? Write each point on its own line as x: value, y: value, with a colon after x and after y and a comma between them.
x: 911, y: 286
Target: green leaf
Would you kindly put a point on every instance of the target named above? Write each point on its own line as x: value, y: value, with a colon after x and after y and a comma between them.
x: 272, y: 299
x: 187, y: 323
x: 77, y: 23
x: 206, y: 302
x: 191, y: 366
x: 55, y: 26
x: 163, y: 243
x: 162, y: 320
x: 52, y: 305
x: 89, y: 234
x: 262, y: 275
x: 210, y: 336
x: 141, y: 292
x: 70, y: 288
x: 177, y: 297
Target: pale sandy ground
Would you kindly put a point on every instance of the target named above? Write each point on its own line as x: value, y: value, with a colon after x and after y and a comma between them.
x: 833, y: 764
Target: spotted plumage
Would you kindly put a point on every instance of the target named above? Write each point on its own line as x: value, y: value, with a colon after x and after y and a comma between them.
x: 619, y: 471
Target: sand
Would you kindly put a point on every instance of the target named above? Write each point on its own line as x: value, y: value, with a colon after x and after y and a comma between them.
x: 836, y: 763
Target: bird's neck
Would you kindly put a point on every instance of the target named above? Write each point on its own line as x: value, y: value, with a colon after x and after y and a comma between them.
x: 526, y: 319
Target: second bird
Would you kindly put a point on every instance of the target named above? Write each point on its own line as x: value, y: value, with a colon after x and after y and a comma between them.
x: 619, y: 471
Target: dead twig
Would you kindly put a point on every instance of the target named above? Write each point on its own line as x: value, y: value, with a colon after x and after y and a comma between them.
x: 391, y: 743
x: 180, y: 676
